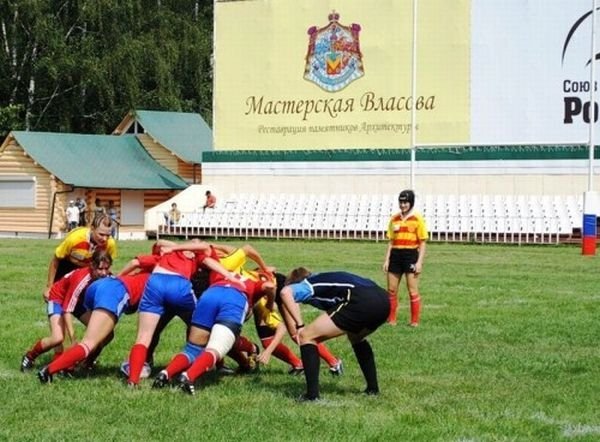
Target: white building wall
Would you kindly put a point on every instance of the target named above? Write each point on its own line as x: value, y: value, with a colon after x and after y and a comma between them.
x: 531, y: 177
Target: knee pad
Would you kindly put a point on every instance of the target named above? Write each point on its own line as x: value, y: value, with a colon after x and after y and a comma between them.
x: 235, y: 327
x: 221, y: 340
x: 192, y: 351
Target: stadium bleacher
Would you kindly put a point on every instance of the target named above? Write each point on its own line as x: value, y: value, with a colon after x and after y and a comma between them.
x: 540, y: 219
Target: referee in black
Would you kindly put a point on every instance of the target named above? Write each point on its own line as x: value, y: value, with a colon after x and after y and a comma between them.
x: 353, y: 305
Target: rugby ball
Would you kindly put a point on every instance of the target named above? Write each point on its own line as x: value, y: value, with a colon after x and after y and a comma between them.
x: 146, y: 370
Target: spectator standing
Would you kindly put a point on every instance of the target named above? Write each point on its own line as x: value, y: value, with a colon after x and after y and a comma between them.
x: 112, y: 212
x: 98, y: 209
x: 72, y: 215
x: 211, y: 201
x: 82, y: 206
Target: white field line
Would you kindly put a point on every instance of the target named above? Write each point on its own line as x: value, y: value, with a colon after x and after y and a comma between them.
x: 569, y: 430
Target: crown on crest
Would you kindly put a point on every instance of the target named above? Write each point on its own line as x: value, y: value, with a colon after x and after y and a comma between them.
x: 334, y: 16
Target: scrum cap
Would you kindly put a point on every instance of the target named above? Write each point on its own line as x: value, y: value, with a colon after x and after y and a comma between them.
x: 407, y: 195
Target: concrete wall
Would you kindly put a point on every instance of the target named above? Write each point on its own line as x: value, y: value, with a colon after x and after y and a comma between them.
x: 504, y: 177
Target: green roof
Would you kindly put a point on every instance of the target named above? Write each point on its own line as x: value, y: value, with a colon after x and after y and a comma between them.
x: 185, y: 134
x: 97, y: 161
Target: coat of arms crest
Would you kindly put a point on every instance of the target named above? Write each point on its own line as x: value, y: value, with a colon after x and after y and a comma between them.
x: 334, y: 59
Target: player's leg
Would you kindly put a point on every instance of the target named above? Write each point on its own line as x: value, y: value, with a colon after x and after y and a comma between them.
x: 204, y: 313
x: 412, y: 285
x: 367, y: 310
x: 164, y: 320
x: 244, y: 352
x: 56, y: 337
x: 366, y: 360
x: 101, y: 324
x: 393, y: 281
x: 147, y: 322
x: 152, y: 307
x: 309, y: 336
x: 193, y: 348
x: 216, y: 343
x: 217, y: 329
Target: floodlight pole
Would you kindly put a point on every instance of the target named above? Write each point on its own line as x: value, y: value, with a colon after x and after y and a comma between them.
x: 413, y: 111
x: 594, y: 114
x: 590, y: 205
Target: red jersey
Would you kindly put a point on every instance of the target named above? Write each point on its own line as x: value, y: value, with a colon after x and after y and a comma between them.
x: 135, y: 288
x: 67, y: 290
x: 216, y: 278
x: 177, y: 262
x: 147, y: 262
x: 136, y: 282
x: 255, y: 286
x: 250, y: 284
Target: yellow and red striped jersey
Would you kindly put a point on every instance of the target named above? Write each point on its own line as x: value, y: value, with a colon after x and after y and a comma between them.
x: 407, y: 232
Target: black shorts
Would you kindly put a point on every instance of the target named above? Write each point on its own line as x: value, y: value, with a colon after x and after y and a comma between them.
x: 403, y: 261
x: 64, y: 266
x: 79, y: 309
x: 264, y: 331
x: 366, y: 308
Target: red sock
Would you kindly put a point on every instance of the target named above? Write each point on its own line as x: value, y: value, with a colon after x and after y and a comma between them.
x: 239, y: 357
x: 137, y: 357
x: 57, y: 355
x: 179, y: 363
x: 244, y: 344
x: 69, y: 358
x: 36, y: 350
x: 393, y: 307
x: 284, y: 353
x: 326, y: 355
x: 201, y: 365
x: 415, y: 308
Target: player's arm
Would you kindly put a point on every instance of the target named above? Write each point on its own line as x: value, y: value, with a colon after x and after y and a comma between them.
x: 216, y: 266
x: 269, y: 289
x: 191, y: 246
x: 224, y: 249
x: 130, y: 267
x: 386, y: 260
x: 164, y: 243
x: 52, y: 268
x: 253, y: 254
x: 291, y: 312
x: 419, y: 263
x: 265, y: 355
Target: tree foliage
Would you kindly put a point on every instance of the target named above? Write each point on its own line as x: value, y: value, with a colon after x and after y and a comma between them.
x: 81, y: 65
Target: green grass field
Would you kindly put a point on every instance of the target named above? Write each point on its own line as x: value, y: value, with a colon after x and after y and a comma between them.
x: 508, y: 349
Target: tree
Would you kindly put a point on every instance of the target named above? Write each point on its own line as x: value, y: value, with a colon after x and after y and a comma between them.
x: 80, y: 65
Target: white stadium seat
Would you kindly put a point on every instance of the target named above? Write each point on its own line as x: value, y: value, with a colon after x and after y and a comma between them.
x: 498, y: 218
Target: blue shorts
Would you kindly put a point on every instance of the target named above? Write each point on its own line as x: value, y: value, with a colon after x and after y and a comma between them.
x: 220, y: 305
x: 108, y: 294
x: 164, y: 291
x: 54, y: 308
